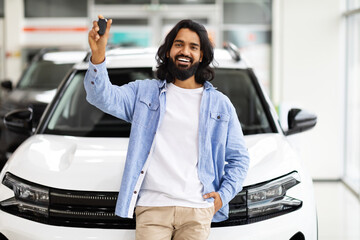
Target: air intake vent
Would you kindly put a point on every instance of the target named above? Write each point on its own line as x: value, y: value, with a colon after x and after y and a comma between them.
x: 86, y: 209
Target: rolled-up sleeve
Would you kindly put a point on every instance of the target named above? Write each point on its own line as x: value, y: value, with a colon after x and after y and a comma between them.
x: 118, y: 101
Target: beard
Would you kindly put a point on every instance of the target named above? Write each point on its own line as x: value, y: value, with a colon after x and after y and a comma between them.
x: 182, y: 73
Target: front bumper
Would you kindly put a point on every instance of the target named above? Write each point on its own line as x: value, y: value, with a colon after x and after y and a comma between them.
x: 280, y: 228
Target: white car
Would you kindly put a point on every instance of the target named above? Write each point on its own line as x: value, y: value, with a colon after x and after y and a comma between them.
x: 62, y: 182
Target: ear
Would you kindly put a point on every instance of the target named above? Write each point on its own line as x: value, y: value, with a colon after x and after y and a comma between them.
x: 167, y: 54
x: 201, y: 56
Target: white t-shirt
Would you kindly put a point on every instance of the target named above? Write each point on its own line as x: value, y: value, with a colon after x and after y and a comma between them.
x: 172, y: 176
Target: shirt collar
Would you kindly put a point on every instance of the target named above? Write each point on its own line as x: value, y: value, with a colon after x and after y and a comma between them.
x: 162, y: 83
x: 207, y: 84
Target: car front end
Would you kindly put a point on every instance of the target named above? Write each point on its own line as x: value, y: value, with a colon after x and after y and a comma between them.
x: 55, y: 204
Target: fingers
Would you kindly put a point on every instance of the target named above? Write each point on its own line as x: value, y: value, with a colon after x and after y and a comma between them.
x: 93, y: 34
x: 211, y: 195
x: 108, y: 25
x: 95, y: 26
x: 98, y: 43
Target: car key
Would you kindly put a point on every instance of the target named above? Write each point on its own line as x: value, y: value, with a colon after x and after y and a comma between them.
x: 102, y: 26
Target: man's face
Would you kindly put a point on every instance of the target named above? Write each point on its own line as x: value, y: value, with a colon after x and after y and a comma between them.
x: 185, y: 54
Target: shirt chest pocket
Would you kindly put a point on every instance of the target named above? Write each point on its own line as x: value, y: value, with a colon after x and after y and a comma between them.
x: 220, y: 117
x: 219, y: 125
x: 146, y: 111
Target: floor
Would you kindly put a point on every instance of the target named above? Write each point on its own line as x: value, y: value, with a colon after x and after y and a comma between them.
x: 338, y: 211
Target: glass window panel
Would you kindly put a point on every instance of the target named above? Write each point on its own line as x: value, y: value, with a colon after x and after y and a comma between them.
x: 187, y: 1
x: 247, y: 12
x: 130, y: 32
x: 172, y: 22
x: 352, y: 144
x: 129, y: 22
x: 353, y: 4
x: 118, y: 2
x: 1, y: 8
x: 55, y: 8
x: 247, y: 37
x: 130, y: 37
x: 44, y: 75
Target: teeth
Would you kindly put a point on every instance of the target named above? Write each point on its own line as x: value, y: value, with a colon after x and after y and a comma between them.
x: 183, y: 59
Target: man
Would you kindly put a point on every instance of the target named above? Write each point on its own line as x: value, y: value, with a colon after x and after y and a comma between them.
x: 183, y: 132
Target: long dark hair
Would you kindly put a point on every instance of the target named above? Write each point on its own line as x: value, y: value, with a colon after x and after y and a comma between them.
x: 204, y: 72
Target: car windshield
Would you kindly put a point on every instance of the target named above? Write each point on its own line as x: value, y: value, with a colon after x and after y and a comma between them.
x: 44, y: 75
x: 74, y: 116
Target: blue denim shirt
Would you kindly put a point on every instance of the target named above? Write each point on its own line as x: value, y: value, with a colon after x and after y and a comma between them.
x: 223, y: 157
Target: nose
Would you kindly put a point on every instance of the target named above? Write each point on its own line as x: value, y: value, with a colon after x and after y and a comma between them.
x: 185, y: 50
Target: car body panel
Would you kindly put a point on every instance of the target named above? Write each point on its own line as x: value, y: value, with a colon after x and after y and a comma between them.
x: 63, y: 157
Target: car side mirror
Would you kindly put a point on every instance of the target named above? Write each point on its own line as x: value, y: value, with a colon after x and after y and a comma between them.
x: 7, y: 84
x: 300, y: 121
x: 20, y: 121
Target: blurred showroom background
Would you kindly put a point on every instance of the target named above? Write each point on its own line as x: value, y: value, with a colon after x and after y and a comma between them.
x: 306, y: 53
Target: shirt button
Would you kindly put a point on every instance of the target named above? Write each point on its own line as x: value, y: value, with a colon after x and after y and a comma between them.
x: 142, y: 172
x: 135, y: 192
x: 149, y: 104
x: 92, y: 82
x: 218, y: 117
x: 95, y: 70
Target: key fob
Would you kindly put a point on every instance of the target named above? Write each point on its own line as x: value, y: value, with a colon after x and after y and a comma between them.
x: 102, y: 26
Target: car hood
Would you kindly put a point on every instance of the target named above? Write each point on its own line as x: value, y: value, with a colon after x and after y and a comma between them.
x: 97, y: 164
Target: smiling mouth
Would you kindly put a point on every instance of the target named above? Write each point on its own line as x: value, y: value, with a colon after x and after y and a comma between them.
x: 183, y: 61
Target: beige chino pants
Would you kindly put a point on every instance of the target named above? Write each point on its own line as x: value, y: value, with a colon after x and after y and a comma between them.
x: 173, y: 223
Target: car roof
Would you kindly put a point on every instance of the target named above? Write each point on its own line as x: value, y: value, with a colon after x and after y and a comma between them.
x: 64, y: 57
x: 145, y: 58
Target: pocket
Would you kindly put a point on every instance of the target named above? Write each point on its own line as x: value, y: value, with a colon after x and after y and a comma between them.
x: 220, y: 117
x: 146, y: 111
x: 139, y: 210
x: 218, y: 126
x: 153, y: 106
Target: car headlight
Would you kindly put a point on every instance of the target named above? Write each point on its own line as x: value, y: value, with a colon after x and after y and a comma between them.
x: 28, y: 198
x: 270, y: 197
x: 263, y: 201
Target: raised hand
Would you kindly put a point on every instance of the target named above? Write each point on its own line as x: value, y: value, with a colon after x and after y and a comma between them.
x: 98, y: 43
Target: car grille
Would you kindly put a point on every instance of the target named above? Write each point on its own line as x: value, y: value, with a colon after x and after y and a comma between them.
x: 97, y: 210
x: 86, y: 209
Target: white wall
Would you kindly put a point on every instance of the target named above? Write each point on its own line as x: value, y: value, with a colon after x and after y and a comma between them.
x: 2, y: 56
x: 12, y: 38
x: 308, y: 72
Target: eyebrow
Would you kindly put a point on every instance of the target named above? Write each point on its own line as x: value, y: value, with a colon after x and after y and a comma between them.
x: 181, y: 41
